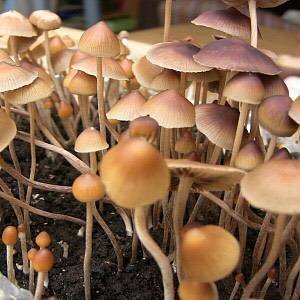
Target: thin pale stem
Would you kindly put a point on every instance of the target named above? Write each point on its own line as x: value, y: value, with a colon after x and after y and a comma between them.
x: 14, y: 50
x: 168, y: 20
x: 100, y: 96
x: 10, y: 263
x: 39, y: 286
x: 84, y: 110
x: 291, y: 279
x: 234, y: 290
x: 197, y: 93
x: 182, y: 83
x: 31, y: 278
x: 253, y: 18
x: 22, y: 238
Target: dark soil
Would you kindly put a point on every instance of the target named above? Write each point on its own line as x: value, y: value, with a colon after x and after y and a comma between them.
x: 139, y: 281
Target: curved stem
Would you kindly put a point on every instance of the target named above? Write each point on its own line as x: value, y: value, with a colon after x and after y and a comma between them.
x: 234, y: 290
x: 168, y: 19
x: 140, y: 222
x: 39, y: 286
x: 291, y: 279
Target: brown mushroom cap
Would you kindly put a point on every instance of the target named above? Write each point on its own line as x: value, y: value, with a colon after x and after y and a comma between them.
x: 134, y: 174
x: 177, y: 56
x: 31, y: 254
x: 170, y: 110
x: 186, y: 143
x: 88, y: 188
x: 274, y: 186
x: 127, y: 108
x: 209, y: 253
x: 8, y: 130
x: 273, y: 116
x: 65, y: 110
x: 294, y: 112
x: 166, y: 80
x: 61, y: 60
x: 90, y: 140
x: 209, y: 76
x: 99, y: 41
x: 43, y: 260
x: 43, y: 239
x: 77, y: 56
x: 274, y: 86
x: 229, y: 20
x: 143, y: 127
x: 10, y: 235
x: 194, y: 290
x: 45, y: 20
x: 235, y: 55
x: 126, y: 65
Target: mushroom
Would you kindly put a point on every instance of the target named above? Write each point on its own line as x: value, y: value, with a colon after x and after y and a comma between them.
x: 194, y: 290
x: 185, y: 143
x: 43, y: 239
x: 30, y: 255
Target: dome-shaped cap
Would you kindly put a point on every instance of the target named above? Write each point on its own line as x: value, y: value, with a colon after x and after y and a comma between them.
x: 10, y: 235
x: 273, y: 116
x: 88, y: 188
x: 294, y: 112
x: 14, y: 23
x: 274, y: 186
x: 144, y: 127
x: 43, y: 239
x: 249, y: 157
x: 43, y: 260
x: 166, y: 80
x: 209, y: 253
x: 177, y: 56
x: 127, y: 108
x: 77, y: 56
x: 194, y: 290
x: 8, y: 130
x: 80, y: 83
x: 245, y: 88
x: 31, y: 254
x: 235, y: 55
x: 274, y: 86
x: 170, y: 110
x: 45, y: 20
x: 185, y: 143
x: 229, y: 20
x: 90, y: 140
x: 134, y: 174
x: 99, y: 41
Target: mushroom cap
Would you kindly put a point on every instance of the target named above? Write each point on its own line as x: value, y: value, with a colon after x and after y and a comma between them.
x: 134, y: 174
x: 294, y: 112
x: 127, y: 108
x: 274, y: 86
x: 205, y: 176
x: 143, y: 127
x: 90, y: 140
x: 43, y: 260
x: 88, y: 188
x: 8, y: 128
x: 77, y: 56
x: 110, y: 68
x: 194, y: 290
x: 218, y: 123
x: 170, y: 110
x: 282, y: 153
x: 245, y: 88
x: 22, y: 44
x: 65, y: 110
x: 10, y: 235
x: 177, y: 56
x: 4, y: 57
x: 14, y: 23
x: 61, y: 60
x: 274, y: 186
x: 185, y: 143
x: 45, y: 20
x: 56, y: 44
x: 236, y: 55
x: 209, y: 253
x: 166, y: 80
x: 43, y: 239
x: 209, y: 76
x: 273, y: 114
x: 229, y: 20
x: 31, y: 254
x: 80, y: 83
x: 13, y: 77
x: 249, y: 157
x: 99, y: 41
x: 126, y: 65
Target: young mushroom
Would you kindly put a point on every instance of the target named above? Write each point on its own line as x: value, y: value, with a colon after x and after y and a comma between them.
x: 194, y: 290
x: 30, y: 255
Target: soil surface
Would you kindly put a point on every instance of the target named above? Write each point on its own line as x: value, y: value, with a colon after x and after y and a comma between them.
x: 141, y: 280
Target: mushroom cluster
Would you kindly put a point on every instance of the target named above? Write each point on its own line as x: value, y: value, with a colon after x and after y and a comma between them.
x: 201, y: 170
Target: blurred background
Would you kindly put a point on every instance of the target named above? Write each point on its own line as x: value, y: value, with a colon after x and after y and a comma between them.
x: 140, y: 14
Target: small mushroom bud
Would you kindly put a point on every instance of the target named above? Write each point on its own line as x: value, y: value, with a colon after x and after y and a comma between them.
x: 64, y: 110
x: 144, y: 127
x: 43, y: 239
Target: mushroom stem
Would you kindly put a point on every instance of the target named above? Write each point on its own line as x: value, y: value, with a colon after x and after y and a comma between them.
x: 239, y: 132
x: 265, y: 288
x: 88, y: 250
x: 215, y: 155
x: 134, y: 247
x: 182, y: 83
x: 31, y: 278
x: 161, y: 259
x: 234, y: 290
x: 296, y: 294
x: 204, y: 92
x: 22, y: 237
x: 180, y: 202
x: 13, y: 46
x: 100, y: 96
x: 168, y: 18
x: 271, y: 148
x: 10, y: 263
x: 39, y: 286
x: 291, y: 279
x: 197, y: 93
x: 253, y: 18
x: 272, y: 256
x: 84, y: 110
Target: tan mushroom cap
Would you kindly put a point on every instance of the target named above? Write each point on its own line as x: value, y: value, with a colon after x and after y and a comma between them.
x: 294, y: 112
x: 273, y: 114
x: 77, y: 56
x: 31, y: 253
x: 194, y: 290
x: 166, y: 80
x: 13, y: 77
x: 90, y: 140
x: 61, y: 60
x: 43, y: 239
x: 245, y: 88
x: 274, y: 186
x: 43, y: 260
x: 80, y: 83
x: 170, y: 110
x: 143, y: 127
x: 45, y: 20
x: 236, y: 55
x: 218, y: 123
x: 10, y: 235
x: 209, y: 253
x: 206, y: 177
x: 229, y: 20
x: 8, y: 130
x: 134, y: 174
x: 14, y: 23
x: 126, y: 65
x: 177, y: 56
x: 21, y: 43
x: 249, y: 157
x: 274, y: 86
x: 99, y: 41
x: 185, y: 143
x: 110, y: 68
x: 127, y: 108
